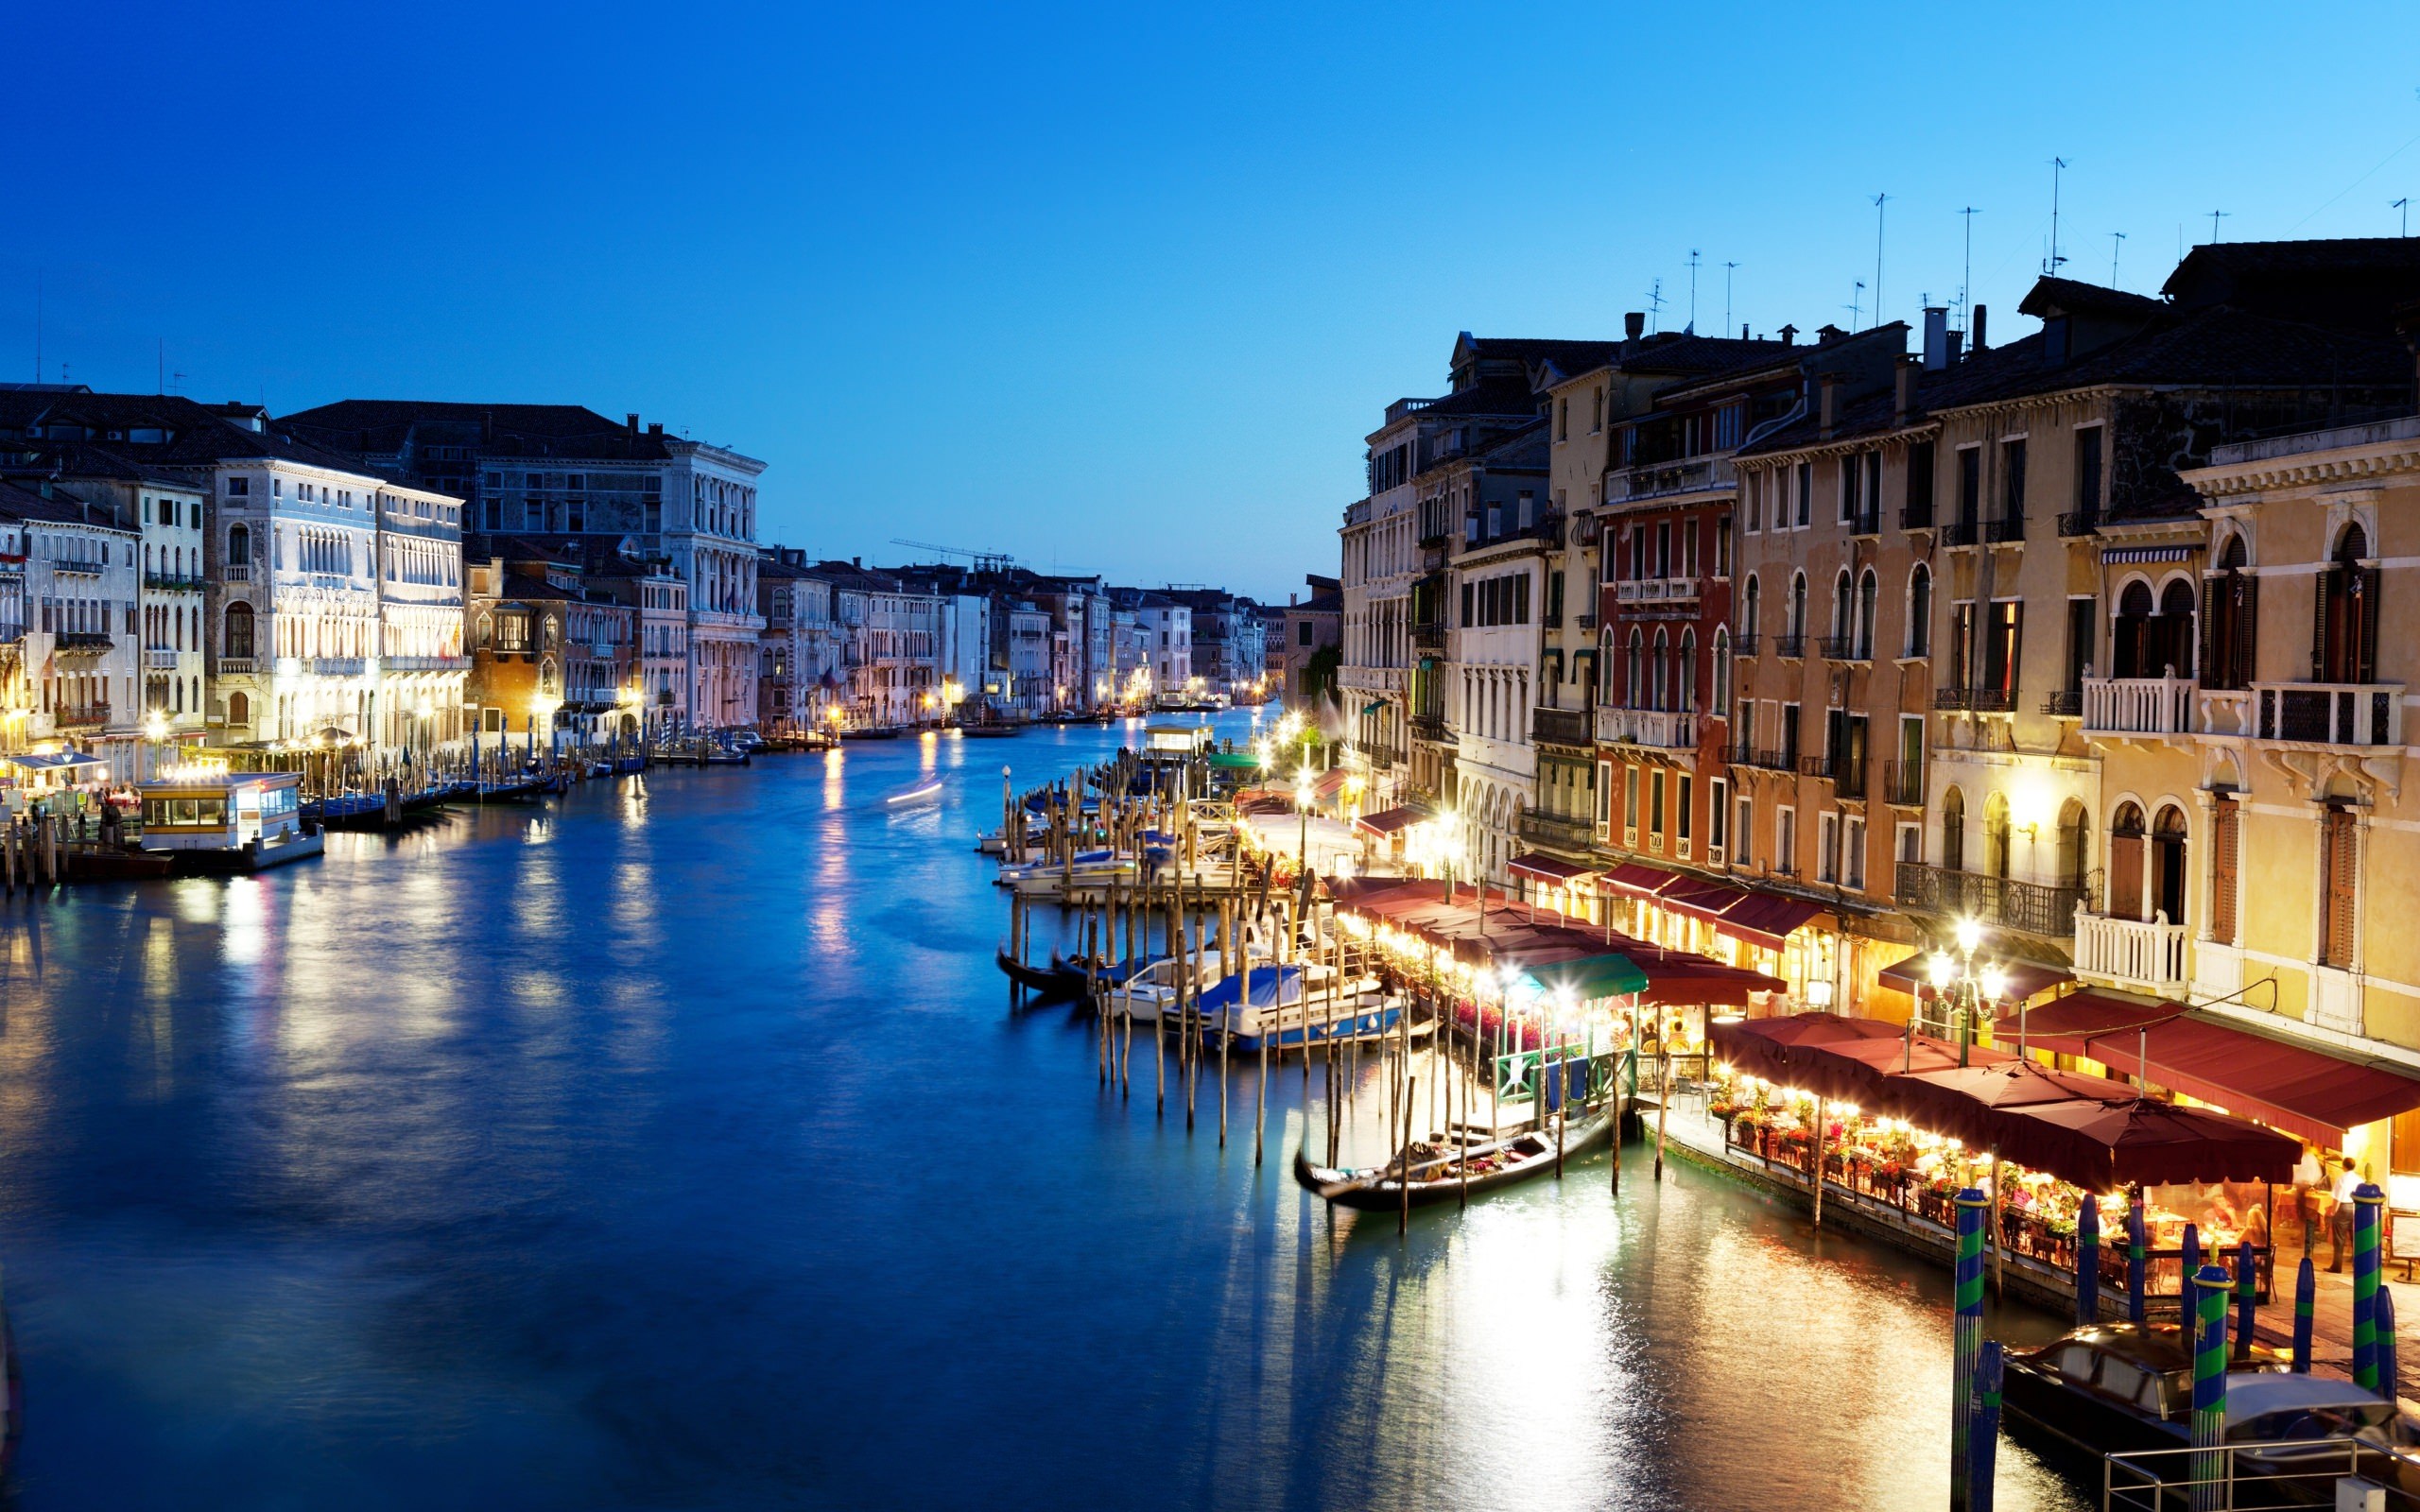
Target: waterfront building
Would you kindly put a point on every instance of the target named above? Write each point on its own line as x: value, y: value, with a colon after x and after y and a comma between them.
x: 1224, y: 644
x: 1305, y: 655
x: 547, y: 654
x: 76, y: 593
x: 659, y: 599
x: 1492, y: 501
x: 1164, y: 627
x: 1025, y: 656
x: 546, y: 470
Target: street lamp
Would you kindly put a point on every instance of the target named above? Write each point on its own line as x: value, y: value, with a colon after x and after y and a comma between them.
x: 1303, y: 811
x: 1973, y: 988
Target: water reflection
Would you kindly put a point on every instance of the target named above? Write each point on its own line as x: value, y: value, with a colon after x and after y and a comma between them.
x: 675, y: 1145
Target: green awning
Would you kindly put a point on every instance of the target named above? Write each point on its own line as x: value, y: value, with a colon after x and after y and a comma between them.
x: 1374, y: 707
x: 1237, y: 760
x: 1590, y: 977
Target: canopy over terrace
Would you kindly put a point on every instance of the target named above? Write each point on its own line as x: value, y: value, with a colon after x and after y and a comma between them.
x: 2299, y: 1087
x: 1764, y: 920
x: 2087, y: 1132
x: 1499, y: 936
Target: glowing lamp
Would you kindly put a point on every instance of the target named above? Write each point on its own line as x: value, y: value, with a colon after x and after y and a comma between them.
x: 1970, y: 934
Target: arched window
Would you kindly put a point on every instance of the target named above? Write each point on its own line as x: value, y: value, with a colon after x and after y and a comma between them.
x: 1722, y: 669
x: 239, y: 631
x: 2168, y: 871
x: 1685, y: 671
x: 1866, y: 588
x: 2230, y: 620
x: 1663, y: 670
x: 239, y: 545
x: 2126, y: 862
x: 2075, y: 844
x: 1953, y: 831
x: 1638, y: 654
x: 239, y: 709
x: 1841, y: 623
x: 2130, y: 639
x: 2344, y: 646
x: 1748, y: 609
x: 2175, y: 654
x: 1797, y: 604
x: 1996, y: 835
x: 1919, y: 610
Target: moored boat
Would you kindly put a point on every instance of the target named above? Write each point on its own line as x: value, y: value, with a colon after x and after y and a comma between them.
x: 1060, y: 981
x: 1438, y: 1168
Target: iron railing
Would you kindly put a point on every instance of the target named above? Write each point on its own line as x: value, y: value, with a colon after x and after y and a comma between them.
x: 1997, y: 903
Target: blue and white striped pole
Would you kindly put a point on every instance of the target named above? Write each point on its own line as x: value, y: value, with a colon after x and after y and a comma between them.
x: 2305, y: 1295
x: 2368, y: 1205
x: 2135, y: 1233
x: 2207, y: 1301
x: 1966, y: 1343
x: 1980, y: 1478
x: 2088, y: 1261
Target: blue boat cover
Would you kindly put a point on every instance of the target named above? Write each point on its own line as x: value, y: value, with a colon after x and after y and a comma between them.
x: 1270, y: 986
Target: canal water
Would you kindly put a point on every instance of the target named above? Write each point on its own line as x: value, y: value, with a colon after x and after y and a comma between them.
x: 675, y: 1147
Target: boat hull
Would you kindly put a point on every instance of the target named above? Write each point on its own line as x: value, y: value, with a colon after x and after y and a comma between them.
x: 1380, y: 1191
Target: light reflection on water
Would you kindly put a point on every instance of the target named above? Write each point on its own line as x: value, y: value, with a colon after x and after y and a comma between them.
x: 675, y: 1147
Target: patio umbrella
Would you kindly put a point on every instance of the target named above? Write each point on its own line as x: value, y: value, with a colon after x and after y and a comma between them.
x: 2105, y: 1146
x: 1969, y: 1101
x: 1762, y: 1047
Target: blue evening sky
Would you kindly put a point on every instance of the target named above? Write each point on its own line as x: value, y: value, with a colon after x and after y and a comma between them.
x: 1117, y: 289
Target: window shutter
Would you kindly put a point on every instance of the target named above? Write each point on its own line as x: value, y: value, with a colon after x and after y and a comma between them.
x: 2126, y: 875
x: 2213, y: 593
x: 2325, y: 582
x: 2363, y: 665
x: 2343, y: 886
x: 2224, y: 832
x: 2245, y: 624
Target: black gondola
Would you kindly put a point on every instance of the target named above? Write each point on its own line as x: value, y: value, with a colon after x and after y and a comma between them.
x: 1052, y: 982
x: 1436, y: 1172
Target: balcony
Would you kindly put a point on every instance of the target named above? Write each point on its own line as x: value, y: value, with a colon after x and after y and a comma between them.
x: 1916, y: 517
x: 2147, y: 956
x: 81, y: 642
x: 1867, y: 524
x: 160, y: 657
x: 1428, y: 637
x: 80, y: 566
x: 1997, y: 903
x: 1556, y: 830
x: 1658, y: 728
x: 1790, y: 648
x: 1961, y: 533
x: 1586, y: 622
x: 1766, y: 761
x: 1974, y: 701
x: 1430, y: 727
x: 1815, y: 767
x: 2006, y: 528
x: 1656, y: 590
x: 335, y: 666
x: 235, y: 572
x: 2080, y: 522
x: 2329, y: 714
x: 1651, y: 480
x: 1844, y: 648
x: 1903, y: 784
x: 1558, y: 727
x: 2068, y: 703
x: 422, y: 663
x: 173, y: 582
x: 239, y: 666
x: 2138, y: 706
x: 80, y: 716
x: 1745, y: 644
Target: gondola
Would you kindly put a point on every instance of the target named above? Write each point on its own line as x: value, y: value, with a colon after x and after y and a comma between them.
x: 1055, y: 982
x: 1436, y: 1172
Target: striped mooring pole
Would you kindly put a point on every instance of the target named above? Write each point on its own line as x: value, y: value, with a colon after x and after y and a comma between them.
x: 2368, y: 1205
x: 2305, y: 1295
x: 2134, y: 1260
x: 2247, y: 1277
x: 2390, y: 1381
x: 2210, y: 1286
x: 2088, y: 1261
x: 1984, y: 1471
x: 1966, y: 1345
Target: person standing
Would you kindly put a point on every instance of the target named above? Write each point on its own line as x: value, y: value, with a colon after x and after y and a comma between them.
x: 2339, y: 1218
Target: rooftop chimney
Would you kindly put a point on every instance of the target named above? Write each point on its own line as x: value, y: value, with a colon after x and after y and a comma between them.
x: 1827, y: 404
x: 1936, y: 337
x: 1827, y: 332
x: 1790, y: 336
x: 487, y: 427
x: 1743, y: 330
x: 654, y: 429
x: 634, y: 420
x: 1981, y: 311
x: 1903, y: 400
x: 1634, y: 324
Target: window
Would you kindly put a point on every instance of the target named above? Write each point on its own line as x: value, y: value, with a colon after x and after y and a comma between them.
x: 2088, y: 472
x: 2081, y: 635
x: 1629, y: 804
x: 1302, y: 633
x: 1722, y: 546
x: 1953, y: 831
x: 1789, y: 735
x: 1718, y: 816
x: 239, y: 545
x: 239, y: 631
x: 1786, y: 843
x: 1852, y: 852
x: 2340, y: 901
x: 1805, y: 492
x: 1563, y: 419
x: 239, y: 488
x: 2230, y: 620
x: 1744, y: 826
x: 1597, y: 412
x: 1970, y: 485
x: 1850, y: 475
x: 2346, y: 628
x: 1827, y: 847
x: 1866, y: 589
x: 1752, y: 486
x: 1655, y: 805
x: 1726, y: 426
x: 2001, y: 649
x: 1748, y: 606
x: 1918, y: 511
x: 2013, y: 479
x: 1722, y: 699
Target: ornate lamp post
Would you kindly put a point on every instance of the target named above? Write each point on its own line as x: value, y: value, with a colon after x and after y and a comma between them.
x: 1956, y: 978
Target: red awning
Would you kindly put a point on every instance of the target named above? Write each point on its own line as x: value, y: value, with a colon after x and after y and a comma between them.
x: 1387, y: 821
x: 1767, y: 919
x: 1547, y: 868
x: 1638, y: 881
x: 2025, y: 978
x: 2066, y: 1025
x: 1329, y: 784
x: 2301, y: 1089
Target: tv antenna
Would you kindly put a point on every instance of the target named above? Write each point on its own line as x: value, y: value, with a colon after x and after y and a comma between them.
x: 2058, y: 165
x: 1856, y: 292
x: 1966, y: 275
x: 1655, y: 305
x: 1726, y: 294
x: 1693, y: 291
x: 2216, y: 215
x: 2403, y: 204
x: 1879, y: 201
x: 2117, y: 240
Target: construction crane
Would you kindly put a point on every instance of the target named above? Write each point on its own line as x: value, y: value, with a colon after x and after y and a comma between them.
x: 984, y: 561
